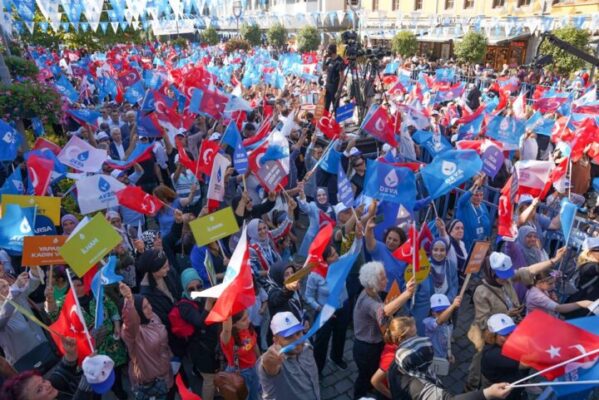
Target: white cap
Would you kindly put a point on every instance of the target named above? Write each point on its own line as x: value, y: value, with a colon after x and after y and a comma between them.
x: 339, y: 207
x: 562, y: 184
x: 102, y: 136
x: 525, y: 198
x: 99, y: 372
x: 387, y: 147
x: 590, y: 243
x: 354, y: 152
x: 501, y: 264
x: 501, y: 324
x: 285, y: 324
x: 439, y: 302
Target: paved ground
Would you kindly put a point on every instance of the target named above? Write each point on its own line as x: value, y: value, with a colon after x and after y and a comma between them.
x: 338, y: 384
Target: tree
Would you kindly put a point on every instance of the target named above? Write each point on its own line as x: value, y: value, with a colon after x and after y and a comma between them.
x: 277, y: 36
x: 210, y: 36
x: 565, y: 62
x: 235, y: 44
x: 20, y: 67
x: 308, y: 39
x: 405, y: 44
x: 252, y: 34
x: 28, y: 99
x: 472, y: 48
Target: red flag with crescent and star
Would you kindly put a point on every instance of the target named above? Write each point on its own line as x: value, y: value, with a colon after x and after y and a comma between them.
x: 70, y: 324
x: 135, y: 198
x: 40, y: 173
x: 532, y: 346
x: 206, y: 155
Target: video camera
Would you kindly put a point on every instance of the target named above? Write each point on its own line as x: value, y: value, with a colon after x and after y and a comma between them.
x: 353, y: 48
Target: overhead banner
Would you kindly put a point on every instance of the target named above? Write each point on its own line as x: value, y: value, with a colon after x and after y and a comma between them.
x: 213, y: 227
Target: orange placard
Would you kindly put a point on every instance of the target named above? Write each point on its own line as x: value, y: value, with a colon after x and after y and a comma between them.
x: 42, y: 250
x: 394, y: 292
x: 477, y: 256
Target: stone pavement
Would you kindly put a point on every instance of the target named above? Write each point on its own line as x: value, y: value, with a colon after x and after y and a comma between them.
x: 337, y: 384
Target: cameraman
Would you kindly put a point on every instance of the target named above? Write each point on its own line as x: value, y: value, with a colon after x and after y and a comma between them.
x: 334, y: 66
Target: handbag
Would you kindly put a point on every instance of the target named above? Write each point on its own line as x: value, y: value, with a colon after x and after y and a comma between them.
x: 231, y: 385
x: 42, y: 358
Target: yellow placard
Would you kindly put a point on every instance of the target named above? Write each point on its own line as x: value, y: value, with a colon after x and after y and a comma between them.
x: 48, y: 206
x: 423, y: 270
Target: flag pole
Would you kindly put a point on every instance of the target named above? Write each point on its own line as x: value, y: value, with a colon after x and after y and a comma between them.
x: 414, y: 255
x: 324, y: 154
x: 566, y: 362
x: 30, y: 316
x: 80, y: 314
x: 558, y: 383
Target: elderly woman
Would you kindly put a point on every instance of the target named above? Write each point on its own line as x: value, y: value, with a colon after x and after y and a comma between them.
x: 24, y: 343
x: 529, y: 245
x: 117, y: 223
x: 370, y: 319
x: 496, y: 295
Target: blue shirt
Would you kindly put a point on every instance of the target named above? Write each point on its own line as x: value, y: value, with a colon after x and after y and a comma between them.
x: 439, y: 336
x: 476, y: 220
x: 166, y: 217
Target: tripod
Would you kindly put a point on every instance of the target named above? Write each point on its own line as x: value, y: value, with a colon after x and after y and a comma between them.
x: 354, y: 90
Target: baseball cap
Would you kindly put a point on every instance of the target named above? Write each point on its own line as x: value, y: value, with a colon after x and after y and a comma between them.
x: 117, y: 173
x: 501, y: 324
x: 591, y: 243
x: 525, y: 199
x: 354, y: 152
x: 439, y: 302
x: 99, y: 372
x: 102, y: 136
x: 285, y: 324
x: 501, y: 264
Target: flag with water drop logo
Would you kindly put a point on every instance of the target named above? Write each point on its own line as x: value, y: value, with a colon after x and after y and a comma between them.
x: 388, y: 182
x: 449, y: 170
x: 97, y: 192
x: 10, y: 141
x: 216, y: 187
x: 82, y: 156
x: 14, y: 226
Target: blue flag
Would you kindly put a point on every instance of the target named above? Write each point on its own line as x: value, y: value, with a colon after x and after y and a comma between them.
x: 434, y: 144
x: 65, y: 88
x: 330, y: 161
x: 231, y: 136
x: 345, y: 112
x: 567, y: 213
x: 506, y: 130
x: 84, y: 116
x: 335, y: 280
x: 13, y: 184
x: 105, y: 276
x: 449, y: 170
x: 471, y: 129
x: 387, y: 182
x: 10, y: 141
x: 540, y: 125
x: 14, y: 226
x: 38, y: 127
x: 345, y: 193
x: 444, y: 74
x: 135, y: 93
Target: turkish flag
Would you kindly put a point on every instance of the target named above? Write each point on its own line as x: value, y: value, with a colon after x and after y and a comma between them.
x: 40, y: 172
x: 237, y: 289
x: 329, y: 126
x: 316, y: 249
x: 135, y: 198
x: 381, y: 126
x: 185, y: 159
x: 505, y: 211
x: 70, y: 324
x: 556, y: 174
x: 586, y: 135
x: 206, y: 155
x: 255, y: 155
x: 532, y: 346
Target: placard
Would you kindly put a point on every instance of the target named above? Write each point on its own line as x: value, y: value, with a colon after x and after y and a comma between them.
x: 90, y: 244
x: 423, y: 270
x: 271, y: 175
x: 42, y: 250
x: 48, y: 206
x: 213, y: 227
x: 477, y: 256
x: 393, y: 293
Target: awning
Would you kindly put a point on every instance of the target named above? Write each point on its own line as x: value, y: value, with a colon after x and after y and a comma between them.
x: 438, y: 39
x: 498, y: 41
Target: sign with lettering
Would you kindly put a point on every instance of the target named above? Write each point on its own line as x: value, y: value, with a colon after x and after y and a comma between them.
x: 42, y: 250
x: 215, y: 226
x: 271, y: 174
x: 90, y: 244
x: 424, y: 268
x: 48, y: 206
x: 477, y: 256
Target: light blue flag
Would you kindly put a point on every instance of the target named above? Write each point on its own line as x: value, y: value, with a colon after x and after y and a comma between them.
x: 345, y: 193
x: 105, y: 276
x: 335, y: 280
x: 567, y: 213
x: 449, y: 170
x: 14, y: 226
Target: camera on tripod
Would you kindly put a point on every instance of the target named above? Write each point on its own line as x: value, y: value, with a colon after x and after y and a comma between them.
x: 353, y: 48
x: 377, y: 53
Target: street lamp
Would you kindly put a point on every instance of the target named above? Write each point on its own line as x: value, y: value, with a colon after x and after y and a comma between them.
x: 237, y: 9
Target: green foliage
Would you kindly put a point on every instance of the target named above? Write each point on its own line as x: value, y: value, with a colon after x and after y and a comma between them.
x: 404, y: 43
x: 252, y: 34
x: 472, y: 48
x: 237, y: 44
x: 308, y: 39
x: 209, y: 36
x: 181, y: 42
x: 563, y: 61
x: 277, y: 35
x: 30, y: 99
x: 21, y: 67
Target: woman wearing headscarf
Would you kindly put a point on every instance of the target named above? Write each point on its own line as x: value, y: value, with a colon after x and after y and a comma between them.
x: 458, y: 254
x: 202, y: 344
x: 529, y: 245
x: 245, y: 209
x: 443, y: 270
x: 146, y: 338
x: 263, y: 250
x: 68, y: 222
x: 319, y: 212
x: 117, y: 223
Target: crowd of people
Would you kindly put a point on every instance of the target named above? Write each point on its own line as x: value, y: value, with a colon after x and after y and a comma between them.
x: 401, y: 344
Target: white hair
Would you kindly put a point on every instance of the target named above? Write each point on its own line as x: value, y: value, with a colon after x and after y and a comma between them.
x: 369, y: 274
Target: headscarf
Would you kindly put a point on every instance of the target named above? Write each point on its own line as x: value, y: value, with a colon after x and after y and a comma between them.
x: 439, y: 269
x: 532, y: 255
x: 187, y: 276
x: 414, y: 357
x: 458, y: 245
x: 323, y: 206
x: 276, y: 273
x: 253, y: 234
x: 138, y: 301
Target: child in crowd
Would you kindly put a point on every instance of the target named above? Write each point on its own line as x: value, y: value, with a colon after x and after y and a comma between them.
x: 438, y: 329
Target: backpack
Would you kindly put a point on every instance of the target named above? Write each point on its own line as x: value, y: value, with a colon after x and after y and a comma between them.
x: 179, y: 327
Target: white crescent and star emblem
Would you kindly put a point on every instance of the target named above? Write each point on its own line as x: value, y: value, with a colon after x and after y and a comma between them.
x: 379, y: 125
x: 34, y: 178
x: 207, y: 155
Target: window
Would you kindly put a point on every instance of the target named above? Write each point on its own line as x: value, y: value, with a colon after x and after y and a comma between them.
x: 375, y: 5
x: 498, y: 3
x: 522, y: 3
x: 395, y: 5
x: 417, y: 4
x: 468, y: 3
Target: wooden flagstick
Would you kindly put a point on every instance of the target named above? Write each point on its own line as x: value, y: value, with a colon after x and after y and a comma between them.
x: 551, y: 368
x: 80, y: 314
x: 222, y: 251
x: 166, y: 205
x: 244, y: 184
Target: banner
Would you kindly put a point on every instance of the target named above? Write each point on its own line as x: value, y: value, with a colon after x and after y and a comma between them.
x: 477, y: 256
x: 82, y: 156
x: 215, y: 226
x: 387, y: 182
x: 42, y: 250
x: 271, y: 174
x: 97, y: 192
x: 90, y: 244
x: 449, y: 170
x: 492, y: 160
x: 48, y: 206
